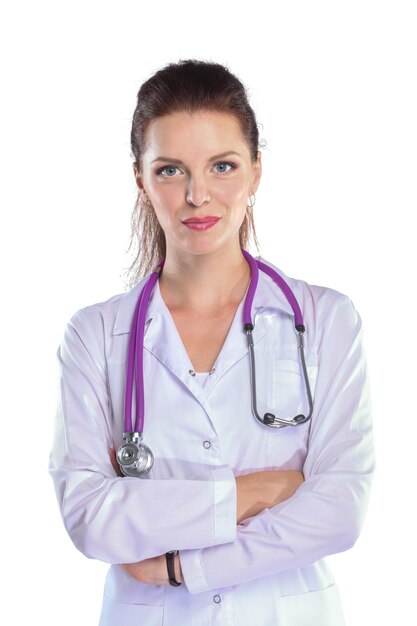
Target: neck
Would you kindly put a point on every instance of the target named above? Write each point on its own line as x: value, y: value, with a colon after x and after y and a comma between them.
x: 204, y: 282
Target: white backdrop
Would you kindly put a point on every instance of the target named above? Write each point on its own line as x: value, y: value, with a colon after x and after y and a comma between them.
x: 333, y: 86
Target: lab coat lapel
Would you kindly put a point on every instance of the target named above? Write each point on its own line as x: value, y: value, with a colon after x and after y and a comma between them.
x: 164, y: 342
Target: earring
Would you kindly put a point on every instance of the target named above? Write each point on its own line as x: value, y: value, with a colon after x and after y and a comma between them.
x: 250, y: 206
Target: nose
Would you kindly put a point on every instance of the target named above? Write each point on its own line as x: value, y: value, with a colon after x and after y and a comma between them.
x: 197, y: 192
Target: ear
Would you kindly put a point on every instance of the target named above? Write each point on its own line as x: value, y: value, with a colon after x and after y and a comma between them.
x: 138, y: 177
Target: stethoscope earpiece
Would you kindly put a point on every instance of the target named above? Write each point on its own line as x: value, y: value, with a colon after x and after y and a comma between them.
x: 269, y: 418
x: 300, y: 418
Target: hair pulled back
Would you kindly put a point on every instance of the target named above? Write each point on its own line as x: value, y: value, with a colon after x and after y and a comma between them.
x: 187, y: 86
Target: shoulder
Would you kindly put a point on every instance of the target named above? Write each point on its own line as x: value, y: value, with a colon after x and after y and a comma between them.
x: 100, y: 318
x: 319, y: 304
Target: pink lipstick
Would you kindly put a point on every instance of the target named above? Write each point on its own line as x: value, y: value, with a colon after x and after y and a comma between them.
x: 201, y: 223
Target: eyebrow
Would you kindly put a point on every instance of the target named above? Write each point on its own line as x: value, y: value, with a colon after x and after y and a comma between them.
x: 213, y: 158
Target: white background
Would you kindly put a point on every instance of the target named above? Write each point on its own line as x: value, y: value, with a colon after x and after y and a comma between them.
x: 333, y: 85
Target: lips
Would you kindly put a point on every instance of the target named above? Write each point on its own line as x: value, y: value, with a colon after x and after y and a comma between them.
x: 201, y: 220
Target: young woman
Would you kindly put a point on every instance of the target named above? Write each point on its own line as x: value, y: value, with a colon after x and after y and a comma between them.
x: 231, y: 519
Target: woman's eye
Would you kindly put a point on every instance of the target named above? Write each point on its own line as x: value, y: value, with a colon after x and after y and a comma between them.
x: 167, y: 168
x: 231, y: 165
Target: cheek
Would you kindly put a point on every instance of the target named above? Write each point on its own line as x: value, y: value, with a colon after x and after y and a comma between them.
x: 234, y: 193
x: 163, y: 195
x: 166, y: 200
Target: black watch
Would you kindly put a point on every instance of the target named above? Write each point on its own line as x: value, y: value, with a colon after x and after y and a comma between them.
x: 170, y: 566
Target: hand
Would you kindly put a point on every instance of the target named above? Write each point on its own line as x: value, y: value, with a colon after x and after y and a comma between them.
x: 264, y: 489
x: 115, y: 463
x: 279, y: 485
x: 153, y: 571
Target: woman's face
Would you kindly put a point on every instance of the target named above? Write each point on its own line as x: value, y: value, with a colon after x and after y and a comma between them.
x: 184, y: 176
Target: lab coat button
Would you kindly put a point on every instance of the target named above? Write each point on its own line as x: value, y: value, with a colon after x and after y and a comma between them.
x: 192, y: 372
x: 206, y: 444
x: 217, y: 598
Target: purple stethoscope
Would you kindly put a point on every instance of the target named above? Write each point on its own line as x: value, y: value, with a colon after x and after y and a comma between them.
x: 134, y: 457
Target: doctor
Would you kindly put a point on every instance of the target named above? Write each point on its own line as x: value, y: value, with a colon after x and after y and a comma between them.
x: 233, y: 521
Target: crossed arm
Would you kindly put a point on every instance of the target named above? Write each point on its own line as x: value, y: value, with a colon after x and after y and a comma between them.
x: 255, y: 492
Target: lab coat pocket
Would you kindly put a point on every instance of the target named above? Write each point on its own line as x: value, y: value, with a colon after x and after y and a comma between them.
x: 287, y: 446
x: 125, y: 614
x: 289, y: 387
x: 321, y: 608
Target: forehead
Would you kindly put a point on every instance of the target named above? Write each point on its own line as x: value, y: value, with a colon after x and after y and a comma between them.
x: 205, y: 129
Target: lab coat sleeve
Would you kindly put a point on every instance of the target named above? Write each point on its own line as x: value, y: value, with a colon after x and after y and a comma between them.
x: 326, y: 513
x: 122, y: 519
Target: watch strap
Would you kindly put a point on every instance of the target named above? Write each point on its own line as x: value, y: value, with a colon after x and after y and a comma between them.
x: 170, y: 567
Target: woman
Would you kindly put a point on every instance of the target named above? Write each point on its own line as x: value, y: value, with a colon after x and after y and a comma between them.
x: 233, y: 520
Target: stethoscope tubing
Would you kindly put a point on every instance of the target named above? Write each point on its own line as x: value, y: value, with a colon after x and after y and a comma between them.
x: 255, y: 265
x: 134, y: 365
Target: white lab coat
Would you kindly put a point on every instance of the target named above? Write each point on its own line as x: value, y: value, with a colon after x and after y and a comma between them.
x: 270, y: 569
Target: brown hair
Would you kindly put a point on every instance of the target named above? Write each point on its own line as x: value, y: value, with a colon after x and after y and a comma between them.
x: 189, y: 85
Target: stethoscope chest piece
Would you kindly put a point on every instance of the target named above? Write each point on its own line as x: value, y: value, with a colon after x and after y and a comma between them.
x: 135, y: 458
